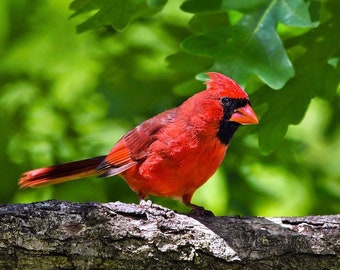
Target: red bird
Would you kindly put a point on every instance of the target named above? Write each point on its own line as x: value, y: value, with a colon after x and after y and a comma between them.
x: 171, y: 154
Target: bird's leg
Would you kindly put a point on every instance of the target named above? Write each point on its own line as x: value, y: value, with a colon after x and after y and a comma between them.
x: 196, y: 210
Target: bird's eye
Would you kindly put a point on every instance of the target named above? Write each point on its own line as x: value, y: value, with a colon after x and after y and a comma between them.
x: 226, y: 101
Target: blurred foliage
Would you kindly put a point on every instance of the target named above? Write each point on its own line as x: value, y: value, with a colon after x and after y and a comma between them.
x: 75, y: 76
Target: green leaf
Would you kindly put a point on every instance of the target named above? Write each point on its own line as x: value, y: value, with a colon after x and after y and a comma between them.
x: 186, y: 88
x: 316, y: 76
x: 118, y: 13
x: 203, y: 6
x: 292, y: 12
x: 188, y: 63
x: 201, y: 23
x: 240, y: 52
x: 252, y: 45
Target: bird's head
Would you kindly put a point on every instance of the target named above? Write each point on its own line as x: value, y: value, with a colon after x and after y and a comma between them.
x: 234, y: 102
x: 233, y: 98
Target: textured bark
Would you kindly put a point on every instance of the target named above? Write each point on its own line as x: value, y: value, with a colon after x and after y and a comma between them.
x: 64, y: 235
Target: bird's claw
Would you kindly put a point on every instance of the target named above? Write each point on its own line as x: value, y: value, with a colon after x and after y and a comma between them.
x: 201, y: 212
x: 147, y: 203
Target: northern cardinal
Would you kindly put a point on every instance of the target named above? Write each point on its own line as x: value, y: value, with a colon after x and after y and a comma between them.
x: 171, y: 154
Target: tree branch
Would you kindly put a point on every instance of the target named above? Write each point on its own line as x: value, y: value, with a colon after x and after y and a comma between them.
x: 64, y: 235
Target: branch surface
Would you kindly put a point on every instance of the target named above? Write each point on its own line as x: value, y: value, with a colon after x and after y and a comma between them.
x: 65, y: 235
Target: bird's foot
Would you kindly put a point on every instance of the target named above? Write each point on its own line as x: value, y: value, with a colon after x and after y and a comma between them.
x: 156, y: 210
x: 147, y: 203
x: 200, y: 211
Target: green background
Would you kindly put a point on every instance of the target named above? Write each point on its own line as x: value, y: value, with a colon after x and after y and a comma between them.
x: 75, y: 76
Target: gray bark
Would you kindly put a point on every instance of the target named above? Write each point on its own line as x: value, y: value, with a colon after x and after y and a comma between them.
x: 64, y: 235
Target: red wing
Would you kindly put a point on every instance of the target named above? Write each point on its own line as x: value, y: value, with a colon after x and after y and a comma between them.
x: 133, y: 147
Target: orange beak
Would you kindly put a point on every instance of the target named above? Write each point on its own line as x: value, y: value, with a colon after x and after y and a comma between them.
x: 244, y: 116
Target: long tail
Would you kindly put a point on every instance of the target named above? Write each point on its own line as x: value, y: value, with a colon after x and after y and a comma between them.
x: 61, y: 173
